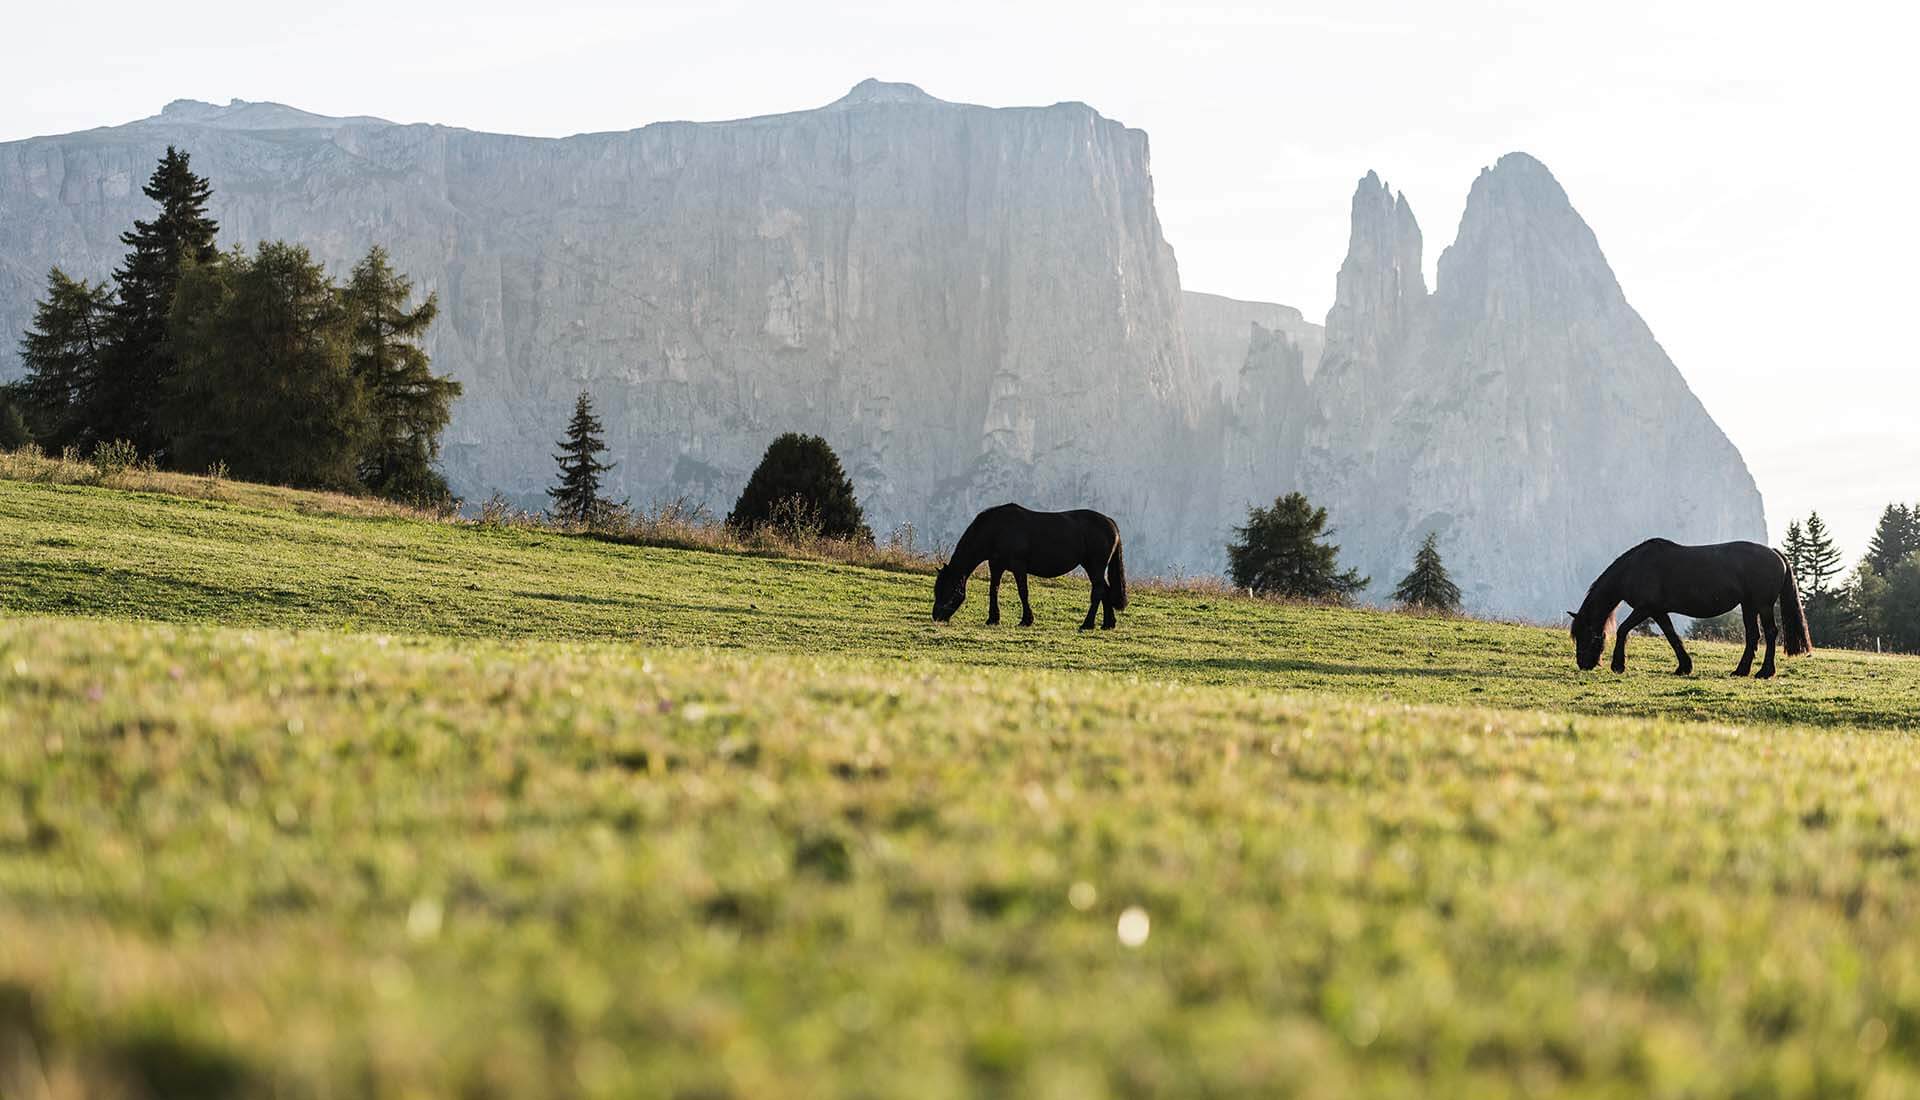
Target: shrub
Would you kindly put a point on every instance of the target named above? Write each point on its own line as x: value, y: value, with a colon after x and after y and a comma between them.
x: 115, y: 458
x: 800, y: 489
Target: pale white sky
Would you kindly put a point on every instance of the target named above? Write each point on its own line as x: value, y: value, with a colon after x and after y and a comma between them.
x: 1748, y: 167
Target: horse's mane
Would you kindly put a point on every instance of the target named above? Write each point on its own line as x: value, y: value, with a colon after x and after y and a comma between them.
x: 969, y: 539
x: 1610, y: 573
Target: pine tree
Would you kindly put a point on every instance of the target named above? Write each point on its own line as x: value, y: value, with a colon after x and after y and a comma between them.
x: 1794, y: 549
x: 63, y: 353
x: 13, y: 425
x: 125, y: 404
x: 1896, y: 536
x: 1820, y: 561
x: 408, y: 404
x: 800, y: 484
x: 265, y: 381
x: 1280, y: 554
x: 576, y: 499
x: 1899, y: 609
x: 1428, y: 585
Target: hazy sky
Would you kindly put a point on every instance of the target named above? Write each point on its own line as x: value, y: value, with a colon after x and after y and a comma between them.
x: 1748, y: 168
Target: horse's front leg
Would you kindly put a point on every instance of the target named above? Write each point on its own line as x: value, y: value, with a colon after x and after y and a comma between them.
x: 1673, y: 639
x: 1098, y: 592
x: 1026, y: 608
x: 1752, y: 623
x: 1620, y: 638
x: 993, y: 595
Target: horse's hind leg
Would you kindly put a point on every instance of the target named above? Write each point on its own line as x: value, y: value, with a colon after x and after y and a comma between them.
x: 1752, y: 622
x: 1026, y: 609
x: 1773, y: 634
x: 993, y: 596
x: 1673, y: 639
x: 1106, y: 602
x: 1098, y: 593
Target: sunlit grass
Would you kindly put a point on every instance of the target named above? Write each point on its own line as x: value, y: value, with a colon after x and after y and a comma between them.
x: 329, y: 805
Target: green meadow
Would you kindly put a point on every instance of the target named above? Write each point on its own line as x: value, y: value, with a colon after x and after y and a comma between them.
x: 310, y: 801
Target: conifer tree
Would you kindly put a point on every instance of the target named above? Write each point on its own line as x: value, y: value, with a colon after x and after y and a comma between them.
x: 1794, y: 549
x: 1428, y: 585
x: 13, y: 425
x: 1820, y: 560
x: 265, y: 382
x: 1280, y: 553
x: 408, y: 404
x: 576, y: 499
x: 800, y: 482
x: 1896, y: 536
x: 141, y: 363
x: 62, y: 353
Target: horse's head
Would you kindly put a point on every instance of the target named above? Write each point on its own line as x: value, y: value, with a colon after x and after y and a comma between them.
x: 1589, y: 630
x: 949, y: 592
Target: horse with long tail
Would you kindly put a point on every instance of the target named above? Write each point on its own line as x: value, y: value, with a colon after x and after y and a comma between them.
x: 1012, y: 539
x: 1658, y: 579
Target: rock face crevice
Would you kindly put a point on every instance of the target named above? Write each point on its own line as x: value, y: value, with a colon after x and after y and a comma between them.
x: 971, y: 305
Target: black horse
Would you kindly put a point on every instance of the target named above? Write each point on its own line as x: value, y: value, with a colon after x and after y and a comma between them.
x: 1659, y: 578
x: 1013, y: 539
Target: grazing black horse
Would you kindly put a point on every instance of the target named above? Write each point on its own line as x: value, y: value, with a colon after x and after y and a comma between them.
x: 1659, y: 578
x: 1013, y: 539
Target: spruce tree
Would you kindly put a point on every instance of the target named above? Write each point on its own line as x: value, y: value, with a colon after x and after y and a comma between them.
x: 14, y: 433
x: 1428, y: 585
x: 141, y: 363
x: 1280, y: 554
x: 63, y: 353
x: 407, y: 403
x: 1794, y: 548
x: 1896, y: 536
x: 265, y: 380
x: 800, y: 482
x: 1820, y: 561
x: 576, y: 499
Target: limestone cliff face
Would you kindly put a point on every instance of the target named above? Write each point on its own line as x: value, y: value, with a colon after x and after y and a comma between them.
x: 971, y: 305
x: 1220, y: 332
x: 1523, y: 410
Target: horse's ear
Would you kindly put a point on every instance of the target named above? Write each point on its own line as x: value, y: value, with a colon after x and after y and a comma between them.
x: 1571, y: 615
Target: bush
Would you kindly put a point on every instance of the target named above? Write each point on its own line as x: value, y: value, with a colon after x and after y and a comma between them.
x: 114, y: 458
x: 800, y: 490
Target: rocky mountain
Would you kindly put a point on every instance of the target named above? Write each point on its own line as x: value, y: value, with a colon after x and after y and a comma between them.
x: 1522, y: 410
x: 1220, y: 332
x: 972, y: 305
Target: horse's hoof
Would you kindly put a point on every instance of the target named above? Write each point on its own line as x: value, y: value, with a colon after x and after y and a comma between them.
x: 1106, y: 626
x: 994, y: 621
x: 1764, y: 674
x: 1026, y: 622
x: 1683, y: 670
x: 1740, y: 672
x: 1618, y: 669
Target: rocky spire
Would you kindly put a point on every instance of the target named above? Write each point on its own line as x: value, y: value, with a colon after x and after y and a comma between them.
x: 1523, y: 250
x: 1381, y: 285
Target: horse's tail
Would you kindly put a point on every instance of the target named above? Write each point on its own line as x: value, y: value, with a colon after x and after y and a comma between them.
x: 1117, y: 577
x: 1794, y: 615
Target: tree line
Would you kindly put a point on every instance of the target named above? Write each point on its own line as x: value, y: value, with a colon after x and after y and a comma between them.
x: 255, y: 363
x: 1877, y: 606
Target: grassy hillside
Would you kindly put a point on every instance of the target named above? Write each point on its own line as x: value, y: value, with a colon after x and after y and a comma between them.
x: 75, y: 550
x: 329, y: 805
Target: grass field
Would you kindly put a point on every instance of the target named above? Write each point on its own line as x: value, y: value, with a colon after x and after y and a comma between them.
x: 306, y: 804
